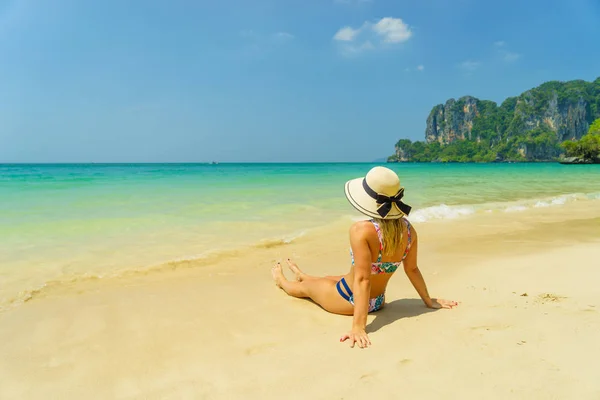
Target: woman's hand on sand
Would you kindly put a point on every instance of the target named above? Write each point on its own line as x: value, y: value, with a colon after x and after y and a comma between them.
x: 358, y: 336
x: 441, y: 303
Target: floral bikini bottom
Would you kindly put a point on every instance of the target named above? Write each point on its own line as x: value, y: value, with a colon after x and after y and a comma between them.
x: 374, y: 304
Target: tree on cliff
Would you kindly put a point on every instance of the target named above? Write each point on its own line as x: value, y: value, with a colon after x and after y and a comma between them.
x: 588, y: 147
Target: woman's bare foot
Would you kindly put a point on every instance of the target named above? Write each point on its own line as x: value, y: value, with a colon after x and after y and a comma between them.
x: 300, y: 276
x: 277, y: 274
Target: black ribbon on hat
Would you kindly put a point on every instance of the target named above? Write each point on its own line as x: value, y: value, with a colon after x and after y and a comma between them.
x: 384, y: 202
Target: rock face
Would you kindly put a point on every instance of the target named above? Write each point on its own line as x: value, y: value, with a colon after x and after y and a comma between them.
x: 451, y: 121
x: 529, y: 127
x: 533, y: 151
x: 578, y: 160
x: 537, y: 108
x: 568, y: 119
x: 402, y: 155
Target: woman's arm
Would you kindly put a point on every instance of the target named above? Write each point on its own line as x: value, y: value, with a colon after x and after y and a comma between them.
x: 362, y: 276
x: 412, y: 270
x: 361, y: 286
x: 416, y: 278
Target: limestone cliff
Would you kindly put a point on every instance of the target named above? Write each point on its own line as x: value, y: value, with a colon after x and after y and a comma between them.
x: 528, y: 127
x: 451, y: 121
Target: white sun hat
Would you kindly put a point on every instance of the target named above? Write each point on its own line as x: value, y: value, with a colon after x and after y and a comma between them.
x: 378, y: 194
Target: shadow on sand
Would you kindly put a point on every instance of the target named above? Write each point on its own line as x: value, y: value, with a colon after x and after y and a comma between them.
x: 395, y: 310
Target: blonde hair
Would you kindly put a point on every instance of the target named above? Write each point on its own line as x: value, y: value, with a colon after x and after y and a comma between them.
x: 391, y: 232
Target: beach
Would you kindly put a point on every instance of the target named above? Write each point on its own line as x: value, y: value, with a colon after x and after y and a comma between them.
x: 526, y: 326
x: 217, y: 327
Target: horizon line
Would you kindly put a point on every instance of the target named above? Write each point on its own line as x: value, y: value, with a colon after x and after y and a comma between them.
x: 188, y: 162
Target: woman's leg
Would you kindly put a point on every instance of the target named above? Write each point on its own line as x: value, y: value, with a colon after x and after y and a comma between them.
x: 321, y: 290
x: 301, y: 276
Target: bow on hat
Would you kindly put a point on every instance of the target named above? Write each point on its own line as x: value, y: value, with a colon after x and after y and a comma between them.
x: 384, y: 203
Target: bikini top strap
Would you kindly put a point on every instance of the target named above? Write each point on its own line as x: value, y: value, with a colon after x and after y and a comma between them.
x: 408, y: 237
x: 380, y: 237
x: 379, y: 234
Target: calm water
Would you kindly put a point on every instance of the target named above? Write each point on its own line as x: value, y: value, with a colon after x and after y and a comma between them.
x: 61, y: 220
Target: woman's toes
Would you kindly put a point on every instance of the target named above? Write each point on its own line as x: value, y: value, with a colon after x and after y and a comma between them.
x: 277, y: 274
x: 294, y: 268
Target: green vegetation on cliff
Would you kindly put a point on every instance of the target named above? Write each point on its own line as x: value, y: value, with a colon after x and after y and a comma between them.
x: 530, y: 127
x: 588, y: 147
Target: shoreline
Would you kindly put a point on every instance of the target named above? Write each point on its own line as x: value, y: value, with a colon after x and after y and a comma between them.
x: 436, y: 216
x: 582, y: 203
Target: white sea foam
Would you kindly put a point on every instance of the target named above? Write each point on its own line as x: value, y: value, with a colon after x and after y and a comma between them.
x: 563, y: 199
x: 541, y: 204
x: 557, y: 201
x: 291, y: 238
x: 515, y: 208
x: 442, y: 211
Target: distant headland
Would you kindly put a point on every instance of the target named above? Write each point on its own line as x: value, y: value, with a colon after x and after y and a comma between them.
x: 545, y: 123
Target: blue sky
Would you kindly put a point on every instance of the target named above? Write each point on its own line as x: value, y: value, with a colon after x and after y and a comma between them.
x: 266, y: 80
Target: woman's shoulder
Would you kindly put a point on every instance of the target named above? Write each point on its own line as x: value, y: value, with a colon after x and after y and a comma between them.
x: 363, y: 227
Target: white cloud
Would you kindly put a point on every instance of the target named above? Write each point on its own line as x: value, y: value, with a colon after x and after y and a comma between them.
x: 393, y: 30
x: 506, y: 55
x: 470, y: 65
x: 509, y: 56
x: 349, y: 49
x: 284, y: 35
x: 418, y: 68
x: 372, y: 35
x: 346, y: 34
x: 281, y: 37
x: 367, y: 46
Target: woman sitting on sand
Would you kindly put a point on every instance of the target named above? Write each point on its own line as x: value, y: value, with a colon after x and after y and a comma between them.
x: 378, y: 246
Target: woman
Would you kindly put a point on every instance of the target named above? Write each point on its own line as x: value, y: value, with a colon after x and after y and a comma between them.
x: 378, y: 247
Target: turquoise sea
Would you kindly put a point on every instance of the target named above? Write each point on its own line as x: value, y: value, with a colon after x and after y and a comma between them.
x: 64, y: 221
